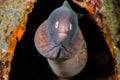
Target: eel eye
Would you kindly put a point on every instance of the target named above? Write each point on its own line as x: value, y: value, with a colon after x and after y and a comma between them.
x: 70, y: 26
x: 56, y: 24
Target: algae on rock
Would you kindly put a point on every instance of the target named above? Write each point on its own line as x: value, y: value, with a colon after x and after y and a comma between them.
x: 13, y: 18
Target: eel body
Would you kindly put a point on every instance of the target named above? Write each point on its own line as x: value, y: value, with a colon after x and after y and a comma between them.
x: 60, y: 40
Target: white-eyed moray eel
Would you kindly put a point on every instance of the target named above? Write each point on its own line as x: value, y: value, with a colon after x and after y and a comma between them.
x: 60, y: 40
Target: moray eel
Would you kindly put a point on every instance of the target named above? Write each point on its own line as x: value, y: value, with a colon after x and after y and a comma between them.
x: 60, y: 40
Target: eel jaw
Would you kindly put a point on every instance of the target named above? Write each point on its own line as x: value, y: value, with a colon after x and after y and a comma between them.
x: 58, y: 52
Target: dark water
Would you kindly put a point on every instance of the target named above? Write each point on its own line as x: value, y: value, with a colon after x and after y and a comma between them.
x: 28, y: 64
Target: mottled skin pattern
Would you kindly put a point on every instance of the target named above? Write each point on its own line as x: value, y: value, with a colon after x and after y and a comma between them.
x: 60, y: 40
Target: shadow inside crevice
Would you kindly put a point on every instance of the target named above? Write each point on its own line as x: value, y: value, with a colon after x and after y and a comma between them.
x: 100, y: 65
x: 28, y: 64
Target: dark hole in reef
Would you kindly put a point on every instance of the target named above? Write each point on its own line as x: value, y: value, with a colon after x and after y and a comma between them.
x: 27, y: 64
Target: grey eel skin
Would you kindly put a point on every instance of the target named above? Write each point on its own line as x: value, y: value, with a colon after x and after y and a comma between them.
x: 60, y: 40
